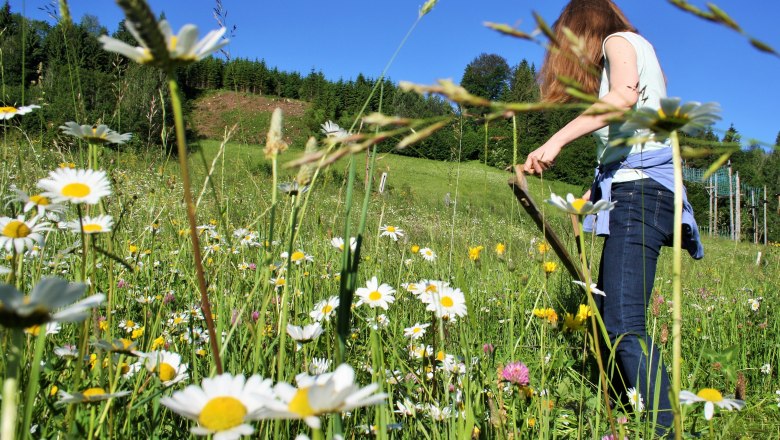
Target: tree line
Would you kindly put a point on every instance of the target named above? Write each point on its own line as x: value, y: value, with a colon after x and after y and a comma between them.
x: 63, y: 68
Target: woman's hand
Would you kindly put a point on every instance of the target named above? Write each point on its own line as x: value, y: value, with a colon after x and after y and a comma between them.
x: 541, y: 159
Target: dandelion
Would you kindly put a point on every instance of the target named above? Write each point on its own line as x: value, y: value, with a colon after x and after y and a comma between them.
x: 183, y: 48
x: 75, y: 186
x: 94, y: 134
x: 20, y: 311
x: 516, y: 373
x: 375, y: 295
x: 9, y: 112
x: 584, y: 312
x: 448, y: 303
x: 635, y: 399
x: 547, y: 314
x: 167, y: 366
x: 710, y: 397
x: 305, y: 334
x: 428, y: 254
x: 579, y: 206
x: 91, y: 225
x: 325, y: 309
x: 19, y: 234
x: 338, y: 243
x: 474, y: 252
x: 90, y: 395
x: 543, y: 247
x: 549, y: 267
x: 391, y: 231
x: 500, y: 249
x: 572, y: 323
x: 317, y: 395
x: 416, y: 331
x: 690, y: 118
x: 221, y: 405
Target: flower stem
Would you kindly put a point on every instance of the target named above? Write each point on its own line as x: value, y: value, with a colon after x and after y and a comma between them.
x: 11, y: 384
x: 677, y: 287
x: 181, y: 144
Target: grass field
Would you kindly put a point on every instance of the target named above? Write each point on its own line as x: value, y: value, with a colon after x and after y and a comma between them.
x: 448, y: 379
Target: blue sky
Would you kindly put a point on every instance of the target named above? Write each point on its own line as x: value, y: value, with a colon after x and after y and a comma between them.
x: 702, y: 61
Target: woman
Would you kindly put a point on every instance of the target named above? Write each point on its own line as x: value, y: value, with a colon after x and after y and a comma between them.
x: 621, y: 66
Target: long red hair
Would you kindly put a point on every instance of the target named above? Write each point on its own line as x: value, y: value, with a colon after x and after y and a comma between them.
x: 591, y: 21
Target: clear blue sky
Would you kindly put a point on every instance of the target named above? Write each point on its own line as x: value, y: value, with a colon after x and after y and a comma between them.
x: 341, y: 38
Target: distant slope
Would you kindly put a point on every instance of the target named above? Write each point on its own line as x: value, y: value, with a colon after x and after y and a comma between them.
x: 215, y: 111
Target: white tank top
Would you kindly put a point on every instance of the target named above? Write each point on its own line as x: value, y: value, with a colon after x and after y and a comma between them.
x: 652, y: 87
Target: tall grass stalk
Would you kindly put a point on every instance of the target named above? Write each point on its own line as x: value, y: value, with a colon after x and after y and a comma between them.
x: 677, y: 288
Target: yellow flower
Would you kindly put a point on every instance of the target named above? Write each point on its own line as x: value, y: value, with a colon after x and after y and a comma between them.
x: 158, y: 342
x: 415, y: 249
x: 474, y: 252
x: 500, y: 249
x: 584, y: 312
x: 543, y: 247
x: 547, y: 314
x: 549, y: 267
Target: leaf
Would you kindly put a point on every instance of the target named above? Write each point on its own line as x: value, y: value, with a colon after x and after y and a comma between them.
x: 422, y: 134
x: 717, y: 164
x: 508, y: 30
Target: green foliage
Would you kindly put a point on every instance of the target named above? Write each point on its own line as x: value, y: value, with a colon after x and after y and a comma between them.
x: 487, y: 76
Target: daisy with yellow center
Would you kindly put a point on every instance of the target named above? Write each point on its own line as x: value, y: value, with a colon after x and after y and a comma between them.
x: 9, y: 112
x: 222, y: 405
x: 94, y: 134
x: 167, y: 366
x: 182, y: 48
x: 375, y: 295
x: 75, y: 186
x: 299, y: 257
x: 90, y: 395
x: 325, y: 309
x: 92, y: 225
x: 128, y: 325
x: 19, y: 234
x: 711, y: 397
x: 579, y: 206
x: 38, y: 201
x: 393, y: 232
x: 635, y: 399
x: 416, y: 331
x: 338, y: 243
x: 447, y: 303
x: 317, y: 395
x: 277, y: 282
x: 428, y: 254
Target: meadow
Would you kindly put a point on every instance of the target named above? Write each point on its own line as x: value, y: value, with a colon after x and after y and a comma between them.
x: 214, y: 291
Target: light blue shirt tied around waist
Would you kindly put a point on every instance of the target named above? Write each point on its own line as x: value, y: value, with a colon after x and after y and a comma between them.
x: 656, y: 164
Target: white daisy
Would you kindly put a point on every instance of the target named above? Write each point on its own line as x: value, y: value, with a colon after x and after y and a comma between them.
x: 391, y: 231
x: 94, y: 134
x: 427, y: 288
x: 183, y: 48
x: 10, y: 112
x: 316, y: 395
x: 593, y: 288
x: 710, y: 397
x: 447, y: 303
x: 407, y: 408
x: 325, y: 309
x: 299, y: 257
x: 375, y: 295
x: 20, y: 234
x: 89, y: 395
x: 92, y: 225
x: 428, y: 254
x: 319, y: 366
x: 331, y: 129
x: 338, y: 243
x: 305, y: 334
x: 166, y: 366
x: 75, y: 186
x: 43, y: 204
x: 577, y: 206
x: 416, y: 331
x: 221, y: 405
x: 766, y: 369
x: 636, y: 399
x: 49, y: 294
x: 129, y: 325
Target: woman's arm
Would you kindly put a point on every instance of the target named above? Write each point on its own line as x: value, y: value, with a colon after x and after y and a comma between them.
x: 623, y: 94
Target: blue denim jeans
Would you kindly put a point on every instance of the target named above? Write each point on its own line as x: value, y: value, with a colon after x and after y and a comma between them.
x: 639, y: 225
